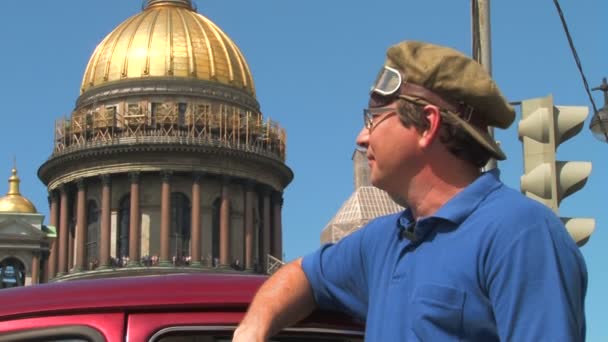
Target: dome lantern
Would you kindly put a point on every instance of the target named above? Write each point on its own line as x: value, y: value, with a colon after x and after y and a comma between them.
x: 13, y: 183
x: 184, y: 3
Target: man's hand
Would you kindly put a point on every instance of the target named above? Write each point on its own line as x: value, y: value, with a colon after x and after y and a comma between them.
x: 247, y: 333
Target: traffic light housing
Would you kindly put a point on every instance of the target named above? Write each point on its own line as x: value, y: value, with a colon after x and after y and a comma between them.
x: 542, y: 129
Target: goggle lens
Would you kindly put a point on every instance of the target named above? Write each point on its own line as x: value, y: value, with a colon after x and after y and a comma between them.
x: 388, y: 82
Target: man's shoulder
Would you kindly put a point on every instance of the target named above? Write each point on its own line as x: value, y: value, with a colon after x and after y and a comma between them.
x: 510, y: 214
x: 511, y: 205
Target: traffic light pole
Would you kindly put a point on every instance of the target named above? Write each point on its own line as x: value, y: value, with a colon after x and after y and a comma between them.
x: 546, y: 179
x: 482, y: 47
x: 482, y: 43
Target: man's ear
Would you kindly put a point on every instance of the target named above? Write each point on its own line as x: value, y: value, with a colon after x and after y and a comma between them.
x: 433, y: 117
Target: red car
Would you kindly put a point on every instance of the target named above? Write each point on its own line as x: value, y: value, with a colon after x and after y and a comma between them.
x: 168, y: 308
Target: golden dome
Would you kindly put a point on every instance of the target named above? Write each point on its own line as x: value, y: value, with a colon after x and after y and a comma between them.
x: 168, y: 39
x: 13, y: 202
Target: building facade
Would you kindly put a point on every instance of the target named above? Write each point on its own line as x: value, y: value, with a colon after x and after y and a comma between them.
x: 24, y: 240
x: 166, y: 162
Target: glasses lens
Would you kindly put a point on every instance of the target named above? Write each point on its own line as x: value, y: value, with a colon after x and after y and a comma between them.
x: 367, y: 119
x: 370, y: 113
x: 387, y: 82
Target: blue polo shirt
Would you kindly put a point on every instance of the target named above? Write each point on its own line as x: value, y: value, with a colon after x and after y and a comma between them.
x: 489, y: 265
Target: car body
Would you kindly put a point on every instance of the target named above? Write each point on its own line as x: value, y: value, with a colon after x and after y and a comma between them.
x: 168, y: 308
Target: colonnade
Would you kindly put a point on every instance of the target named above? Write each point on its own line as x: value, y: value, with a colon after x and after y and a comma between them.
x: 68, y: 251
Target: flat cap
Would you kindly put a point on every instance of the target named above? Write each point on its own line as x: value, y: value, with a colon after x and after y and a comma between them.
x: 460, y: 81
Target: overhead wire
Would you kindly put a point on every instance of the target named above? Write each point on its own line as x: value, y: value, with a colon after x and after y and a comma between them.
x: 579, y: 65
x: 574, y: 53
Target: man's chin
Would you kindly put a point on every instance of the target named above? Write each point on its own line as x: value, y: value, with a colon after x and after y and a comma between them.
x: 398, y: 199
x: 379, y: 180
x: 378, y: 183
x: 375, y: 181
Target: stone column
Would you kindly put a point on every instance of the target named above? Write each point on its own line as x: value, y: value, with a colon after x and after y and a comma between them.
x: 71, y: 238
x: 249, y: 233
x: 277, y: 236
x: 51, y: 268
x: 165, y: 218
x: 225, y: 224
x: 266, y: 229
x: 106, y: 217
x: 195, y: 222
x: 64, y: 232
x: 134, y: 221
x: 42, y: 266
x: 35, y: 267
x: 81, y: 224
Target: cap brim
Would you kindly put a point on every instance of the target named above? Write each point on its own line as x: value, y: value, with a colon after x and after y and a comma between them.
x: 481, y: 136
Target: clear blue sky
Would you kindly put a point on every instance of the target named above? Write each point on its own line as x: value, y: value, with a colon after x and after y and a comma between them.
x: 313, y: 62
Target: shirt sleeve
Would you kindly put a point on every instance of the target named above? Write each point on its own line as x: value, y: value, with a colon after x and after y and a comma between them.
x: 338, y: 275
x: 537, y: 281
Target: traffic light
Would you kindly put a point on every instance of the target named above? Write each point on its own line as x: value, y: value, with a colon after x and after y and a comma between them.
x: 542, y: 129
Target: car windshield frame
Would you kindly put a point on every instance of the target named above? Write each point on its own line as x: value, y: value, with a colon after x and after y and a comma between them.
x: 333, y: 333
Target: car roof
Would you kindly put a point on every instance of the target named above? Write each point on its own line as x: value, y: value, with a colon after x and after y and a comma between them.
x: 188, y: 291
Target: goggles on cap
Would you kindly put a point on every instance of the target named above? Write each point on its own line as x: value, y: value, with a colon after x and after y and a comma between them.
x: 387, y: 82
x: 390, y: 81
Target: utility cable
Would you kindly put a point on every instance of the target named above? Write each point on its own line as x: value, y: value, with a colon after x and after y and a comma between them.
x: 579, y: 65
x: 574, y: 53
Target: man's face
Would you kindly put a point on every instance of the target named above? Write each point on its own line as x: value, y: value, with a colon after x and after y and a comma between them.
x: 392, y: 149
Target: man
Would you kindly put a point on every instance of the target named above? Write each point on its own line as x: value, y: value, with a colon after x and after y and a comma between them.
x: 469, y: 259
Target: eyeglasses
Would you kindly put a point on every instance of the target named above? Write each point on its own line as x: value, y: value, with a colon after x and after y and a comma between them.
x: 370, y: 113
x: 387, y: 82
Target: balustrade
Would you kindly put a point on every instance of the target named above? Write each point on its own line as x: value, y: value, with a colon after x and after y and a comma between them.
x: 195, y: 124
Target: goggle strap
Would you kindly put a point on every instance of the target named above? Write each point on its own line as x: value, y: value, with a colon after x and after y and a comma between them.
x: 465, y: 112
x: 410, y: 89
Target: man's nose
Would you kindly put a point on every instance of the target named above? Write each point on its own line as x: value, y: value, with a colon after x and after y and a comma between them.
x: 363, y: 139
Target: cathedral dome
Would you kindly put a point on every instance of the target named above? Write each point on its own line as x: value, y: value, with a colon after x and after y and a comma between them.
x: 168, y: 39
x: 13, y: 202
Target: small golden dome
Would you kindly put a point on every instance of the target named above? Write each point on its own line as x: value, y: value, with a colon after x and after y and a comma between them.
x: 13, y: 202
x: 168, y: 39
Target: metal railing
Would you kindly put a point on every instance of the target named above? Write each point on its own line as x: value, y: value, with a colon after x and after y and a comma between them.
x: 228, y: 128
x: 273, y: 264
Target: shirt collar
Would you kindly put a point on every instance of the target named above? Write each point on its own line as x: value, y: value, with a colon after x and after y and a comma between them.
x: 456, y: 210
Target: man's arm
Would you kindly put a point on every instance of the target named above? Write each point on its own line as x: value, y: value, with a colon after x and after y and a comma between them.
x: 283, y: 299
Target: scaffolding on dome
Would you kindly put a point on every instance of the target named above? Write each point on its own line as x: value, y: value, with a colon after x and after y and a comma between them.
x: 184, y: 123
